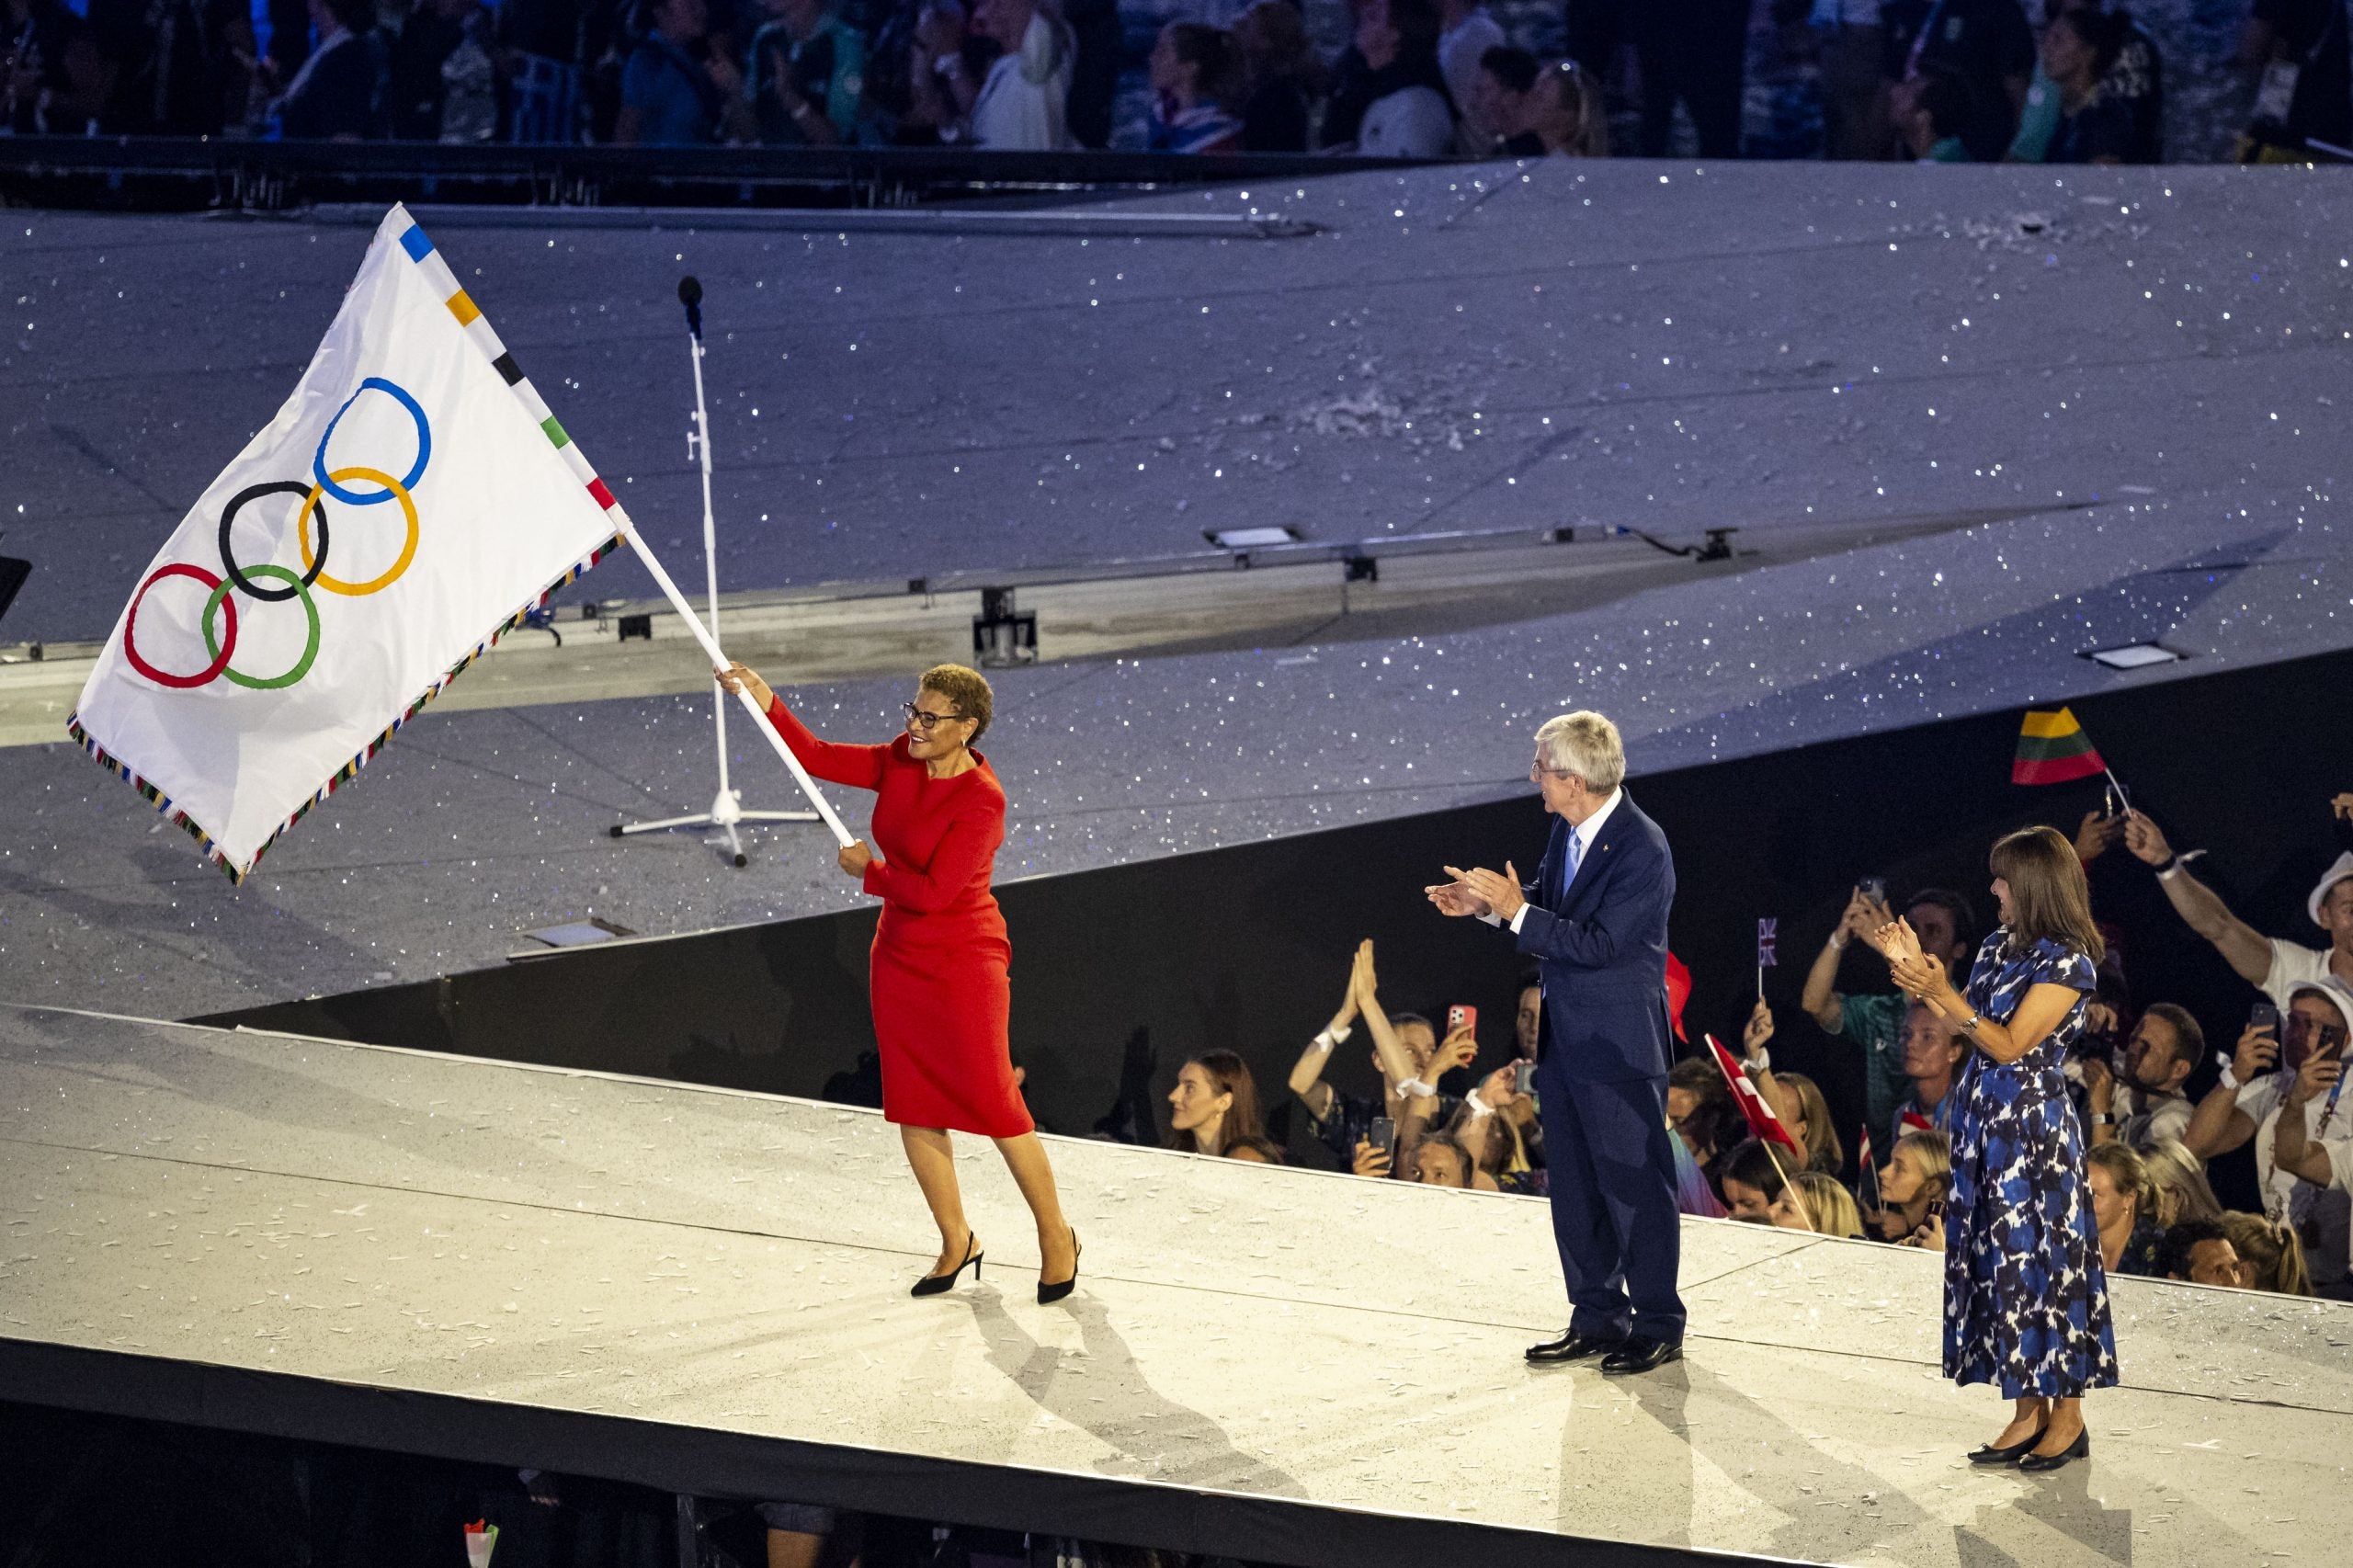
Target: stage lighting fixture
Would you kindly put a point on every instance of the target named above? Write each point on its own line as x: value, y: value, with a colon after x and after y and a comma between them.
x: 2133, y: 656
x: 571, y: 934
x: 1250, y: 538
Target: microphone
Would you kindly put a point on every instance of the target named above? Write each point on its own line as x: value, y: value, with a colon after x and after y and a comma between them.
x: 690, y: 296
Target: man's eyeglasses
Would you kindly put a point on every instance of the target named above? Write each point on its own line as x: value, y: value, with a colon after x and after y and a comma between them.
x: 919, y: 719
x: 1537, y: 773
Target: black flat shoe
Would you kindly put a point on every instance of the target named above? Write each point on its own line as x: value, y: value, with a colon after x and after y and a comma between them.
x: 1049, y: 1294
x: 1640, y: 1354
x: 2079, y: 1449
x: 2009, y: 1454
x: 939, y: 1284
x: 1573, y: 1346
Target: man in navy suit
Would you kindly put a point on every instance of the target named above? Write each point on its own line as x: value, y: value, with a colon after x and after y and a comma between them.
x: 1595, y: 918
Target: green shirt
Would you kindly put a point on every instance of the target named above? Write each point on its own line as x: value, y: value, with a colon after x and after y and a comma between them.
x: 1876, y: 1023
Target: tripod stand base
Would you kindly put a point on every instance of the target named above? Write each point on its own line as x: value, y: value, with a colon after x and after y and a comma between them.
x: 724, y: 819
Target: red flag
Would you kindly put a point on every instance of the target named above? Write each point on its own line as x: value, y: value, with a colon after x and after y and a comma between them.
x: 1915, y: 1122
x: 1762, y: 1122
x: 1870, y: 1167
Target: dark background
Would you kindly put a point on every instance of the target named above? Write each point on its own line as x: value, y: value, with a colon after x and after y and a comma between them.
x: 1247, y: 948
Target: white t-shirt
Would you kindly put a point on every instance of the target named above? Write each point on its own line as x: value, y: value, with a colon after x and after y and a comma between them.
x: 1024, y: 97
x: 1412, y: 122
x: 2144, y: 1127
x: 2321, y: 1214
x: 2293, y: 965
x: 1460, y: 50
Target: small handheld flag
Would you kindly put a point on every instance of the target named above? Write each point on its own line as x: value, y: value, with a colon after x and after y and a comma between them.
x: 1762, y: 1122
x: 1868, y: 1176
x: 2053, y: 749
x: 1765, y: 937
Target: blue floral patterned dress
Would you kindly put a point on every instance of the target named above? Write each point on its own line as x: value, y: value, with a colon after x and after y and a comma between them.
x: 2026, y: 1299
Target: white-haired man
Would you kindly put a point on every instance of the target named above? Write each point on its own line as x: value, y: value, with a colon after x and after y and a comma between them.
x: 1595, y: 920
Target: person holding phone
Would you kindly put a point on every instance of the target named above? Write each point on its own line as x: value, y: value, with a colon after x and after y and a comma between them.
x: 2026, y: 1297
x: 1595, y: 919
x: 2281, y: 1089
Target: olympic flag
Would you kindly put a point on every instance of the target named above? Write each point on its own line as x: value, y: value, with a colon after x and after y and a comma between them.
x: 410, y: 503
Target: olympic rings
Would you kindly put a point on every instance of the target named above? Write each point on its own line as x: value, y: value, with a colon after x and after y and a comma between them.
x: 416, y: 470
x: 131, y: 626
x: 303, y: 532
x: 229, y: 558
x: 222, y: 644
x: 309, y: 649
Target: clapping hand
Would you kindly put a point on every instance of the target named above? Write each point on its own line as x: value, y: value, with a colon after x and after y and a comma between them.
x: 1919, y: 975
x: 1497, y: 891
x: 1455, y: 897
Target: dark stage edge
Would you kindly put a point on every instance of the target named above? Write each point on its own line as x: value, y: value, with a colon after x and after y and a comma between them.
x: 702, y: 1290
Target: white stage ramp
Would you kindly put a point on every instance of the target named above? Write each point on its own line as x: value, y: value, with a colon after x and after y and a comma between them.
x: 704, y: 1290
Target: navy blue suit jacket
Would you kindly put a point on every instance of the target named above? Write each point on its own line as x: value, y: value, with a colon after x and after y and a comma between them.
x: 1602, y: 947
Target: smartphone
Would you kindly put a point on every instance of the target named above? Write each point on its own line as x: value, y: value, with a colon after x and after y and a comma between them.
x: 1524, y: 1081
x: 1383, y: 1135
x: 2265, y: 1016
x: 1460, y: 1018
x: 1936, y: 1209
x: 1873, y: 888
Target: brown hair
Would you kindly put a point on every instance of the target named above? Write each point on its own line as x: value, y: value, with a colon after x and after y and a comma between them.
x: 2130, y: 1175
x: 2048, y: 898
x: 1229, y: 1074
x: 1824, y: 1152
x: 968, y: 690
x: 2190, y: 1041
x: 1461, y: 1156
x: 2273, y: 1252
x: 2182, y: 1192
x: 1217, y: 65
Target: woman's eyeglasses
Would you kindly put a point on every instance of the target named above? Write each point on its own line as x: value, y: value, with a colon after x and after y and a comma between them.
x: 919, y: 719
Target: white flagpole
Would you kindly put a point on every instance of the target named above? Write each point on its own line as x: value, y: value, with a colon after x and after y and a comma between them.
x: 719, y: 662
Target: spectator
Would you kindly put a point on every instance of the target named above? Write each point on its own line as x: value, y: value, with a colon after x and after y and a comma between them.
x: 1986, y: 46
x: 1098, y: 43
x: 1814, y: 1201
x: 1753, y: 1180
x: 946, y: 65
x: 421, y: 47
x: 808, y: 76
x: 1501, y: 100
x: 1213, y: 1109
x: 1405, y: 1051
x: 1528, y: 1022
x: 49, y: 70
x: 1947, y: 927
x: 1700, y: 1110
x: 2183, y: 1192
x: 1283, y: 77
x: 1495, y: 1126
x: 1696, y: 55
x: 2273, y: 967
x: 1565, y: 114
x: 1465, y: 33
x: 1933, y: 1052
x: 2136, y: 80
x: 2271, y: 1256
x: 1938, y: 114
x: 1919, y: 1174
x: 2200, y: 1251
x: 2079, y: 49
x: 338, y: 94
x: 2278, y: 1093
x: 677, y: 91
x: 178, y: 67
x: 2306, y: 91
x: 543, y: 44
x: 2166, y: 1048
x: 2124, y: 1209
x: 1195, y: 73
x: 1798, y: 1101
x: 1441, y: 1161
x: 1392, y: 99
x: 1023, y: 102
x: 1854, y: 112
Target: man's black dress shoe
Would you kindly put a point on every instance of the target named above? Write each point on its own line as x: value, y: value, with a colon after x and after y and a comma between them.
x: 1573, y: 1346
x: 1640, y: 1353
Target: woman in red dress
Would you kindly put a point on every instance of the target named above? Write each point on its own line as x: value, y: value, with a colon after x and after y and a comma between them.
x: 942, y: 998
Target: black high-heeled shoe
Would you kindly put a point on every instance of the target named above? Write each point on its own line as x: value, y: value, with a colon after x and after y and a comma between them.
x: 2008, y: 1454
x: 2080, y: 1449
x: 1049, y: 1294
x: 939, y: 1284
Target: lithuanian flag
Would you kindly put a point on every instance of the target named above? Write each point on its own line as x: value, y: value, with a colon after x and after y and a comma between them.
x: 2053, y: 749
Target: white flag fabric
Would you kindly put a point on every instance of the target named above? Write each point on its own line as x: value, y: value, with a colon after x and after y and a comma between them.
x: 411, y: 502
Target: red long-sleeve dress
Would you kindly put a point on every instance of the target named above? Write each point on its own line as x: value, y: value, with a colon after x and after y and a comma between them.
x: 940, y: 971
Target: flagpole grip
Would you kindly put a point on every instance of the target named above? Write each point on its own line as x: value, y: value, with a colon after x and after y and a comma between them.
x: 719, y: 662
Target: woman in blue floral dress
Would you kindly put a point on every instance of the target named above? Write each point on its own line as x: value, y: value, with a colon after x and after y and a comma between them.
x: 2026, y: 1299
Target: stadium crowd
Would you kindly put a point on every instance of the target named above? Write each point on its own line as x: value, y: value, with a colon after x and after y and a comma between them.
x: 2075, y: 82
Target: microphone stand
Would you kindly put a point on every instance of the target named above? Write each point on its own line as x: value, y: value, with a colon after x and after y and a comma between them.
x: 727, y: 806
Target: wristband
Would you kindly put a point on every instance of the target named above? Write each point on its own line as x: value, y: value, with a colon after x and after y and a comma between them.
x: 2170, y: 870
x: 1479, y: 1108
x: 1840, y: 938
x: 2102, y: 1119
x: 2229, y: 1079
x: 1414, y: 1088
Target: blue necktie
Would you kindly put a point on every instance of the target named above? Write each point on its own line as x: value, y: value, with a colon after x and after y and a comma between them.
x: 1569, y: 873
